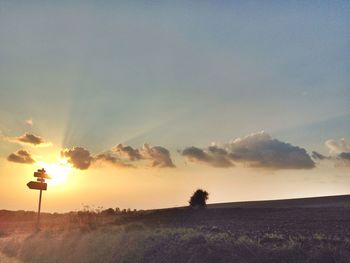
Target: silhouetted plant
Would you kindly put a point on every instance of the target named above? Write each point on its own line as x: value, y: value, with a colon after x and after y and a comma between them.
x: 199, y: 198
x: 108, y: 212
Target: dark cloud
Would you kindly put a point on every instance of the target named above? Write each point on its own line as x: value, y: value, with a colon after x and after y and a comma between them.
x: 260, y: 150
x: 111, y: 159
x: 213, y: 156
x: 345, y: 156
x: 21, y: 156
x: 127, y: 152
x: 30, y: 139
x: 78, y: 157
x: 255, y: 150
x: 119, y: 156
x: 343, y: 159
x: 319, y: 156
x: 158, y: 154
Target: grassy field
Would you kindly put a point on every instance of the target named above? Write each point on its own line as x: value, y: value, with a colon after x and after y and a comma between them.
x: 242, y: 234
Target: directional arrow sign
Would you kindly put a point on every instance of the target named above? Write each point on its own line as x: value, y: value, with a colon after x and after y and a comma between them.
x: 42, y: 175
x: 37, y: 185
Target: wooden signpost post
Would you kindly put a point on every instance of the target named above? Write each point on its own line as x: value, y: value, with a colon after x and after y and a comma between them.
x: 39, y: 184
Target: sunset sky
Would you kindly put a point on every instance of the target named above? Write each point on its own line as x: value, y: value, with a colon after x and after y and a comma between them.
x: 136, y: 105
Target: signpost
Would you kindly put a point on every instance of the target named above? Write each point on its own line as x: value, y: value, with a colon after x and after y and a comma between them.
x: 39, y: 184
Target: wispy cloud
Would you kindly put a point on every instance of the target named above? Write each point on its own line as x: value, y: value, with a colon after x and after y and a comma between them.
x: 28, y: 139
x: 109, y: 158
x: 336, y: 147
x: 31, y: 139
x: 29, y: 122
x: 339, y: 152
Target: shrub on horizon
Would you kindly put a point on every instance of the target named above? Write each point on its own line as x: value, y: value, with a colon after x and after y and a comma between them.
x: 199, y: 198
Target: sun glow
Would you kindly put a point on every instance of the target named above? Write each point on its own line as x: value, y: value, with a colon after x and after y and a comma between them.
x: 59, y: 171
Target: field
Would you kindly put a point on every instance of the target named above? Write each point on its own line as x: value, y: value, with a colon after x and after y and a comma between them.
x: 309, y: 231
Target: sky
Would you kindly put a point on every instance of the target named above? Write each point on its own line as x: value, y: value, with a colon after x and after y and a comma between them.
x: 138, y: 104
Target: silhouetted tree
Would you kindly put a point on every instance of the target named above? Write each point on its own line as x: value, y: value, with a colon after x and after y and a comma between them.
x: 199, y: 198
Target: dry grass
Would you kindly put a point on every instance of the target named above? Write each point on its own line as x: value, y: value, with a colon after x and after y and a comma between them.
x: 182, y: 236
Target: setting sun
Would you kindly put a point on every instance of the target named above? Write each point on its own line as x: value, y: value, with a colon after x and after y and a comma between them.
x: 58, y: 171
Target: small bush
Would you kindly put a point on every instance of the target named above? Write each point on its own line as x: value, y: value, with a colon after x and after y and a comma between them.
x: 199, y: 198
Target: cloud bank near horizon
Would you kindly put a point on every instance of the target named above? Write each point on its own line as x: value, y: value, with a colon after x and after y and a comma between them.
x: 257, y: 150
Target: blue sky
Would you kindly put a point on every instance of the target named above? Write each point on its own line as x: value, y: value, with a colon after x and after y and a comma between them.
x: 225, y: 68
x: 174, y: 73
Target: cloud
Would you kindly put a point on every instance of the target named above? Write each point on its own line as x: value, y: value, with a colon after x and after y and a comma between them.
x: 29, y: 122
x: 260, y: 150
x: 255, y: 150
x: 319, y: 156
x: 79, y: 157
x: 339, y: 153
x: 335, y: 147
x: 343, y: 159
x: 213, y: 156
x: 127, y: 152
x: 158, y: 154
x: 28, y: 138
x: 111, y: 159
x: 345, y: 156
x: 21, y: 156
x: 31, y: 139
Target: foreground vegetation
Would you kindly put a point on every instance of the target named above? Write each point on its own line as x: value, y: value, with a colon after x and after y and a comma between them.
x: 182, y: 235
